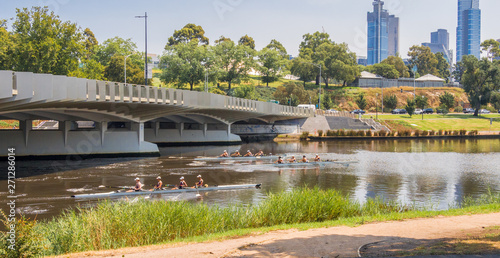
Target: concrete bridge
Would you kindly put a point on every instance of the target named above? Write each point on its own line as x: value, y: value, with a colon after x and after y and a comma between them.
x: 100, y: 118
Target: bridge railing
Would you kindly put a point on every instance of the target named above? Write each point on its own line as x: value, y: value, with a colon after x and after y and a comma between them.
x: 27, y: 85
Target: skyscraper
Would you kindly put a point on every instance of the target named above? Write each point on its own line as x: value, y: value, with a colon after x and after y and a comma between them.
x: 469, y: 29
x: 440, y: 42
x: 383, y: 34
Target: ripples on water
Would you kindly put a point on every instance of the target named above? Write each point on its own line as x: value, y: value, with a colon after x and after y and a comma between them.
x: 435, y: 174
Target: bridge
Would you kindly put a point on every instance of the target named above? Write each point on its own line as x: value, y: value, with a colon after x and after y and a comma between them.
x: 101, y: 118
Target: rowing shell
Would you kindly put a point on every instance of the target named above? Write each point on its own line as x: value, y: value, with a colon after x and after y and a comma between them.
x: 202, y: 189
x: 314, y: 163
x: 238, y: 158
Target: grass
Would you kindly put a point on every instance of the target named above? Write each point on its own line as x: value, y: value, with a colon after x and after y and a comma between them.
x: 440, y: 122
x: 111, y: 225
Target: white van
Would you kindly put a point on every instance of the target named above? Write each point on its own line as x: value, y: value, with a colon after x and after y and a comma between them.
x: 308, y: 106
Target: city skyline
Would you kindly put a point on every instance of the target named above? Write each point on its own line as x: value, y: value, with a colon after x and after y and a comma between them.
x: 383, y: 34
x: 286, y: 22
x: 468, y: 29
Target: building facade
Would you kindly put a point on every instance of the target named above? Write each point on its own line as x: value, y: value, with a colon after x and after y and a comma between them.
x: 383, y: 34
x: 468, y: 29
x: 440, y: 43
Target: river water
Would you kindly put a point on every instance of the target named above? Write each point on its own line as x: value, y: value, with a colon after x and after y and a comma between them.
x: 430, y: 173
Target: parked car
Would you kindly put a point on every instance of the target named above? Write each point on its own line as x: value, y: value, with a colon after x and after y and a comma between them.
x: 396, y: 111
x: 358, y: 111
x: 418, y: 111
x: 402, y: 111
x: 469, y: 110
x: 428, y: 111
x: 332, y: 111
x: 484, y: 111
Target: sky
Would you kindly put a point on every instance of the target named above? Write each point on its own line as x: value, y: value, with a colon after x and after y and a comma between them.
x: 284, y: 20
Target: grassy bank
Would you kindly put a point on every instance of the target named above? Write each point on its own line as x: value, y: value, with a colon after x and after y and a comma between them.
x: 124, y: 224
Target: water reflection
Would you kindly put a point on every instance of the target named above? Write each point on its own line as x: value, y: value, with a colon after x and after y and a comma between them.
x: 438, y: 173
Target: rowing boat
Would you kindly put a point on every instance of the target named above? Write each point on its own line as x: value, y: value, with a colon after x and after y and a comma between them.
x: 202, y: 189
x: 237, y: 158
x: 315, y: 163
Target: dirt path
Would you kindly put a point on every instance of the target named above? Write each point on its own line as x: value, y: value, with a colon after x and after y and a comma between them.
x: 322, y: 242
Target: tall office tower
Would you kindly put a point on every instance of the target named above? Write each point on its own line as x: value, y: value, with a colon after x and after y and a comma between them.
x: 469, y: 29
x: 440, y: 42
x: 383, y: 34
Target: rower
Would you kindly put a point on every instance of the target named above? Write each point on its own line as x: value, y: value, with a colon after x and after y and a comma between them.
x: 158, y: 185
x: 259, y: 154
x: 224, y: 154
x: 317, y: 158
x: 292, y: 159
x: 236, y: 154
x: 138, y: 186
x: 304, y: 159
x: 182, y: 183
x: 279, y: 161
x: 249, y: 154
x: 199, y: 184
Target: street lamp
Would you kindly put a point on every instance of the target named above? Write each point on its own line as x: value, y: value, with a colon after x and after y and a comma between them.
x: 125, y: 68
x: 146, y: 47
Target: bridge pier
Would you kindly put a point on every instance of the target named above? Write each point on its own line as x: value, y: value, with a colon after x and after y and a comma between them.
x: 67, y: 141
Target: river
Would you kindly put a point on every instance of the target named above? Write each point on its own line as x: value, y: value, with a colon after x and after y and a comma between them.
x: 430, y: 173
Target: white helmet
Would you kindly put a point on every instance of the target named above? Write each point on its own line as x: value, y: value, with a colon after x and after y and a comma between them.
x: 182, y: 178
x: 159, y: 177
x: 199, y: 176
x: 137, y: 179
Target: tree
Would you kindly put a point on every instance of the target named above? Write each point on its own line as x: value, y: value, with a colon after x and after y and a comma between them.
x: 184, y: 64
x: 46, y: 44
x: 245, y: 91
x: 188, y: 33
x: 114, y: 46
x: 479, y: 79
x: 303, y: 68
x: 114, y: 70
x: 398, y: 64
x: 337, y: 62
x: 443, y: 67
x: 272, y: 65
x: 296, y: 93
x: 232, y: 61
x: 7, y: 47
x: 247, y: 41
x: 276, y: 45
x: 222, y: 39
x: 91, y: 42
x: 90, y: 69
x: 410, y: 107
x: 390, y: 102
x: 361, y: 101
x: 326, y: 101
x: 424, y: 59
x: 447, y: 101
x: 309, y: 45
x: 421, y: 102
x: 495, y: 100
x: 385, y: 70
x: 492, y: 48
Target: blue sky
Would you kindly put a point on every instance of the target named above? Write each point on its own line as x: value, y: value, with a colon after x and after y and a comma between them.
x: 284, y: 20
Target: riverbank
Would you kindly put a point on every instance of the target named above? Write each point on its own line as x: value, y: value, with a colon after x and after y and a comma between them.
x: 128, y: 224
x: 435, y: 137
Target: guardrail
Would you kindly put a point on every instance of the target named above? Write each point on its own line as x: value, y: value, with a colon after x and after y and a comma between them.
x: 27, y: 85
x: 336, y: 113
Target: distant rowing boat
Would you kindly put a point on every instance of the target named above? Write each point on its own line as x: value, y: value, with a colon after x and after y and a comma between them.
x: 202, y: 189
x: 237, y: 158
x: 314, y: 163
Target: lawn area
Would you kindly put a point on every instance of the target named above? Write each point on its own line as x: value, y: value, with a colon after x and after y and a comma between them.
x: 449, y: 122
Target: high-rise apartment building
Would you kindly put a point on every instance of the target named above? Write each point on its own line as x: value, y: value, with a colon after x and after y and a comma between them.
x: 383, y: 34
x: 440, y: 42
x: 468, y: 29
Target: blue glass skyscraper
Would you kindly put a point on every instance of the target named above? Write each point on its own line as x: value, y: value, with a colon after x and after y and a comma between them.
x: 468, y: 29
x: 383, y: 34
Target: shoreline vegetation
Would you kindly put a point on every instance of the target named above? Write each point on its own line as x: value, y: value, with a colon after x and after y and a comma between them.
x: 112, y: 225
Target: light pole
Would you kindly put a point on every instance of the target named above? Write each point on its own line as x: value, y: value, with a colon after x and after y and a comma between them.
x: 125, y: 68
x: 145, y: 47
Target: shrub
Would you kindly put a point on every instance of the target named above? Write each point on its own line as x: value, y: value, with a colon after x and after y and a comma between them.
x: 432, y: 132
x: 404, y: 133
x: 329, y: 133
x: 418, y: 133
x: 463, y: 132
x: 362, y: 133
x: 383, y: 133
x: 320, y: 133
x: 304, y: 135
x: 473, y: 132
x: 28, y: 242
x: 341, y: 132
x: 458, y: 109
x: 425, y: 133
x: 456, y: 132
x: 375, y: 133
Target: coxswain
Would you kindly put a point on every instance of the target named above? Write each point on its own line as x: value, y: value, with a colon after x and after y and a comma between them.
x: 199, y: 184
x: 236, y: 154
x: 292, y: 159
x: 249, y: 154
x: 224, y: 154
x: 259, y: 154
x: 317, y: 158
x: 304, y: 159
x: 158, y: 185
